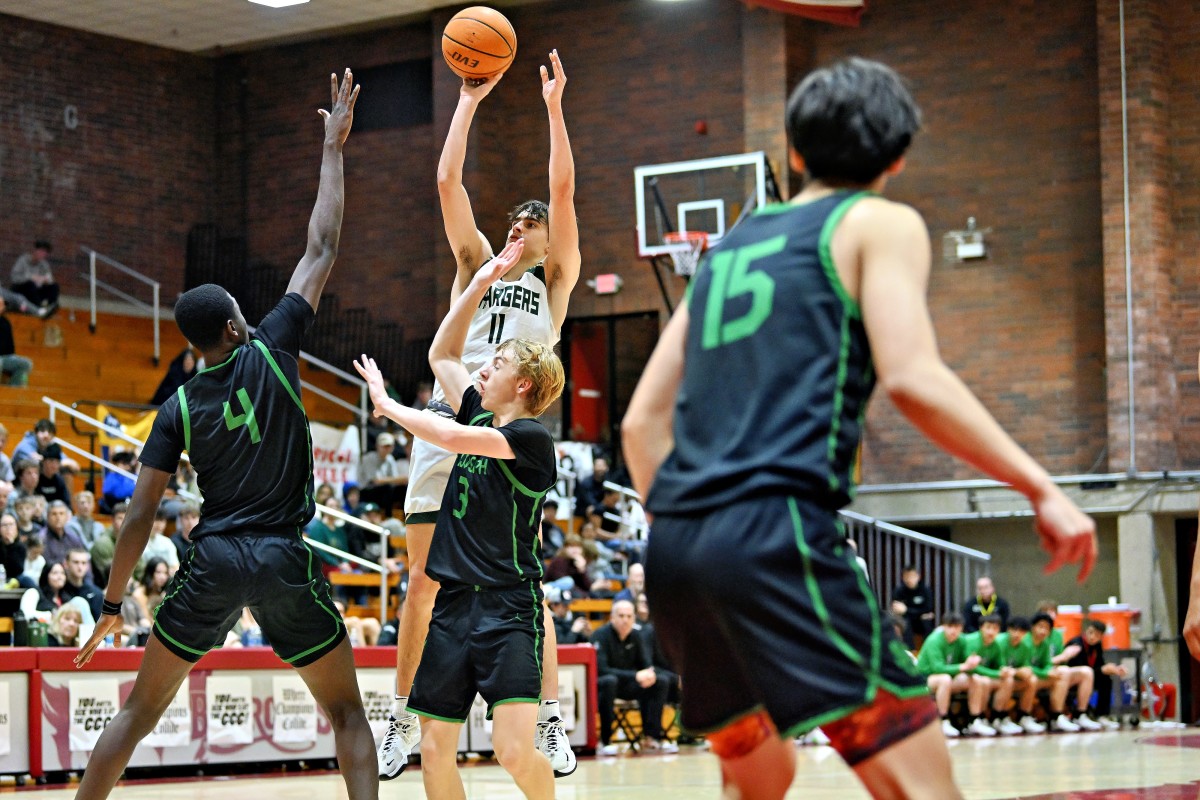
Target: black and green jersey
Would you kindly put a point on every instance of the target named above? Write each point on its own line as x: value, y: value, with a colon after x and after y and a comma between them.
x: 245, y: 430
x: 778, y: 368
x: 487, y: 529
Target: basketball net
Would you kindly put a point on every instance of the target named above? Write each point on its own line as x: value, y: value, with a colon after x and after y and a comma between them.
x: 686, y: 249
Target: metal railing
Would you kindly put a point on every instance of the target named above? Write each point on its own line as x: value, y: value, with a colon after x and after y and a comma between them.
x: 950, y: 570
x: 383, y: 571
x: 94, y: 283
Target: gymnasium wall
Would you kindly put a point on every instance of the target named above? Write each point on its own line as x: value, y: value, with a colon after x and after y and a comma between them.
x: 1020, y: 133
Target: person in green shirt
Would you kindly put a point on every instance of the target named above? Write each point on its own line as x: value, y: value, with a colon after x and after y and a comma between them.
x: 1060, y: 679
x: 996, y: 679
x: 947, y: 666
x: 1017, y: 652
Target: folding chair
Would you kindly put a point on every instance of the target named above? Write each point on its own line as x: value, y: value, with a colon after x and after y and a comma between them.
x: 628, y: 724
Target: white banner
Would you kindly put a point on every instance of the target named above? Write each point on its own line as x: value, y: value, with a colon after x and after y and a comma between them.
x: 566, y: 698
x: 377, y: 692
x: 229, y: 705
x: 335, y: 455
x: 174, y: 728
x: 295, y: 711
x: 92, y: 704
x: 5, y: 722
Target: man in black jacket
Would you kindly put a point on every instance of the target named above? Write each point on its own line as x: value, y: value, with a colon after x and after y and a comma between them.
x: 625, y: 669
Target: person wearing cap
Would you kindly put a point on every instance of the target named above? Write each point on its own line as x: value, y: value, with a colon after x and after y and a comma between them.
x: 569, y: 628
x: 50, y: 480
x: 381, y: 475
x: 365, y: 544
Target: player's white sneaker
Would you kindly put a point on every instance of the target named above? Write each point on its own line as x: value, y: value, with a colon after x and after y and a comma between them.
x: 1063, y: 724
x: 948, y: 730
x: 1006, y: 727
x: 1031, y: 725
x: 402, y: 736
x: 1087, y: 723
x: 979, y: 727
x: 551, y: 739
x: 1109, y: 724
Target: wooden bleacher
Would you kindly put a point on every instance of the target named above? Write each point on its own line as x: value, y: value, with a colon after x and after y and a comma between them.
x: 113, y: 364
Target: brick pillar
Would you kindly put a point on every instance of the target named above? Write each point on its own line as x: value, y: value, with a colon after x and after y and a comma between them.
x: 1155, y: 396
x: 765, y: 89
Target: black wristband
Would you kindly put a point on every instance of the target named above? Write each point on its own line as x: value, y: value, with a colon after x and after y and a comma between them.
x: 110, y: 609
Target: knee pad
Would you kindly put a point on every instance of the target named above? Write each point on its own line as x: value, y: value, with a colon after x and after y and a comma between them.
x: 741, y: 737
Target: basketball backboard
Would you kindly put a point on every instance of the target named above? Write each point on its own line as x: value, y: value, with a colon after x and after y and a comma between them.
x: 707, y: 194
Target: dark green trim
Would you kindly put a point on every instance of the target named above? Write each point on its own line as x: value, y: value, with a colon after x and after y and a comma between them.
x: 539, y: 620
x: 814, y: 588
x: 159, y: 630
x: 426, y: 714
x: 518, y: 485
x: 232, y: 356
x: 488, y: 415
x: 492, y: 708
x: 312, y: 588
x: 422, y: 518
x: 310, y: 650
x: 839, y: 401
x: 826, y: 254
x: 278, y: 373
x: 727, y: 722
x: 187, y: 420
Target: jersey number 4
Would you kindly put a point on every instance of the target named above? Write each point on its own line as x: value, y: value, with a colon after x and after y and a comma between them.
x: 246, y: 418
x: 733, y: 277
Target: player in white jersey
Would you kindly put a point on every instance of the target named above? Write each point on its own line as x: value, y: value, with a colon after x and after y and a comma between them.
x: 529, y: 302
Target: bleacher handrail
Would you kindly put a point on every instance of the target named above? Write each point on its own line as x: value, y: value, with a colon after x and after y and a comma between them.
x: 155, y: 308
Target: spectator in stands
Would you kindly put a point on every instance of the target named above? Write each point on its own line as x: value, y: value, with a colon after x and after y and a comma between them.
x: 6, y: 490
x: 553, y: 536
x: 13, y: 552
x: 179, y: 371
x: 17, y: 303
x: 32, y: 277
x: 589, y: 491
x: 328, y: 529
x: 149, y: 592
x: 79, y: 584
x: 913, y: 601
x: 947, y: 666
x: 50, y: 586
x: 569, y: 569
x: 6, y: 469
x: 24, y: 509
x: 323, y: 493
x: 1059, y: 680
x: 83, y: 524
x: 362, y: 631
x: 35, y: 442
x: 35, y: 559
x: 117, y: 488
x: 182, y: 486
x: 424, y: 395
x: 59, y: 541
x: 381, y: 475
x: 996, y: 680
x: 635, y: 584
x: 985, y: 603
x: 1086, y: 650
x: 1016, y: 652
x: 350, y: 497
x: 366, y: 544
x: 106, y: 545
x: 28, y: 474
x: 14, y: 369
x: 160, y: 545
x: 189, y: 518
x: 50, y: 480
x: 625, y: 670
x: 569, y: 628
x: 64, y: 627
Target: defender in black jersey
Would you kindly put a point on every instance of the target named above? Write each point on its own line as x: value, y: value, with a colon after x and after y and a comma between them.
x: 245, y: 430
x: 486, y: 632
x: 742, y: 436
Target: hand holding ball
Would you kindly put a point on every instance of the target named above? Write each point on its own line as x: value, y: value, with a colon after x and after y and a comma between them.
x: 478, y: 43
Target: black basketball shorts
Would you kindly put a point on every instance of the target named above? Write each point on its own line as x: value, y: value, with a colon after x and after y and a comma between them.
x: 277, y: 577
x: 761, y: 605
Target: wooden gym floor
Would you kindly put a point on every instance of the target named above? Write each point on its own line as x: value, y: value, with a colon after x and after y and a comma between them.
x: 1147, y: 764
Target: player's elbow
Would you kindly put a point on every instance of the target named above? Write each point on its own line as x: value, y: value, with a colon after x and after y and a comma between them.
x: 448, y: 179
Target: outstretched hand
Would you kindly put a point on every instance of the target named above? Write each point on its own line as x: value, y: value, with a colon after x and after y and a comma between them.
x: 552, y: 88
x: 370, y: 373
x: 1067, y: 534
x: 341, y: 117
x: 479, y: 88
x: 108, y: 624
x: 495, y: 268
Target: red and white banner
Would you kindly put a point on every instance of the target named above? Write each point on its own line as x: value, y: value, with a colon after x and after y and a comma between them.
x: 335, y: 455
x: 839, y: 12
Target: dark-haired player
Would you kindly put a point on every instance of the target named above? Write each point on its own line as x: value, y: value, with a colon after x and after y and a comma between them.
x: 247, y: 435
x: 528, y: 302
x: 800, y: 307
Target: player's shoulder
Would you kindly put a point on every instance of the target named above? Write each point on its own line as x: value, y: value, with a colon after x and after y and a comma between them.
x: 874, y: 210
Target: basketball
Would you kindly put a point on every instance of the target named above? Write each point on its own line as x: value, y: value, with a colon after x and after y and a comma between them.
x: 479, y: 42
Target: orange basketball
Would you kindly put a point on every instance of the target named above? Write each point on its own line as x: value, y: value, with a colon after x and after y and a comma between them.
x: 479, y: 42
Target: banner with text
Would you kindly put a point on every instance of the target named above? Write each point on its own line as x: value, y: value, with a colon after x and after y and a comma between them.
x: 230, y: 710
x: 295, y: 711
x: 92, y: 704
x: 174, y: 727
x: 377, y: 692
x: 335, y: 455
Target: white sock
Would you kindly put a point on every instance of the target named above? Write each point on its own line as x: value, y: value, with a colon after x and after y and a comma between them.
x: 399, y: 706
x: 548, y: 710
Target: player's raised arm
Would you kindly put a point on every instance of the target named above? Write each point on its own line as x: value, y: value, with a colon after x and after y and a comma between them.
x: 895, y: 259
x: 325, y: 225
x: 563, y: 260
x: 469, y: 245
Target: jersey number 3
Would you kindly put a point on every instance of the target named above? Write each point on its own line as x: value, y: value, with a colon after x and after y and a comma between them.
x: 732, y: 278
x: 245, y: 418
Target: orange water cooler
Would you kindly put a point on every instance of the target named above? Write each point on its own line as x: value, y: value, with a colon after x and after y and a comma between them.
x: 1117, y: 618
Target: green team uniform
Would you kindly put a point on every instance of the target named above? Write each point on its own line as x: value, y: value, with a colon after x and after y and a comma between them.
x: 940, y: 657
x: 991, y: 654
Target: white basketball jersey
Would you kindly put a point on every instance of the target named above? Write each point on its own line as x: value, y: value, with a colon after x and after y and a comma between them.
x: 517, y: 309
